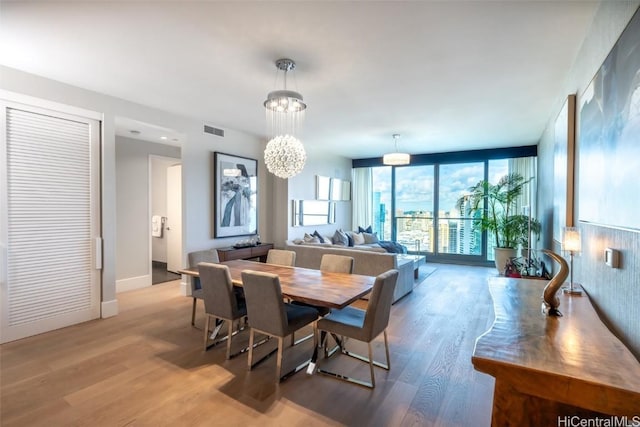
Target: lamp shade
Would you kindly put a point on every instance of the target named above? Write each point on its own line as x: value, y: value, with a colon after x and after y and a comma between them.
x: 571, y: 240
x: 396, y: 159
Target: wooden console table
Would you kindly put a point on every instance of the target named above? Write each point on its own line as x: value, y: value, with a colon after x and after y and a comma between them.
x: 250, y: 252
x: 551, y: 367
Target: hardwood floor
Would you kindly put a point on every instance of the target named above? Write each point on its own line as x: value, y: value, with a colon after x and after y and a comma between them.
x: 146, y: 367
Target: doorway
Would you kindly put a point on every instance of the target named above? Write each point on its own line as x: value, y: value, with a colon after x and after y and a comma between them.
x: 165, y: 195
x: 136, y: 144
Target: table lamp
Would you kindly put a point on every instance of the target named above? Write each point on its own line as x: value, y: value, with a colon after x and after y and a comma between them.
x: 571, y: 243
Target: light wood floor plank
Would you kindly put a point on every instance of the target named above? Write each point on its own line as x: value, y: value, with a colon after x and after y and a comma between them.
x: 146, y: 367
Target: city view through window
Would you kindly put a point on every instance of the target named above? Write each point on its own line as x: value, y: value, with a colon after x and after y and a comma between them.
x: 426, y: 216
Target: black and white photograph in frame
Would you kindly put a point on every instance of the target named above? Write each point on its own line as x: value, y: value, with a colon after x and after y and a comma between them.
x: 235, y: 195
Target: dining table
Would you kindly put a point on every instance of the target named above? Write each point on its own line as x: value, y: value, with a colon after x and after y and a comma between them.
x: 314, y: 287
x: 310, y: 286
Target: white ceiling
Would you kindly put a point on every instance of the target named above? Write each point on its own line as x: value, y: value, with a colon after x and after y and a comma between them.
x: 446, y: 75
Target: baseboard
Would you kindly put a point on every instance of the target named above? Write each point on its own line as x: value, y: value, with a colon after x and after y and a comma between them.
x: 132, y: 283
x: 109, y: 308
x: 185, y: 288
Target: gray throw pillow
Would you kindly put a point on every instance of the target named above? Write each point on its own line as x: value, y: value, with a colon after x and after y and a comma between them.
x: 370, y: 237
x: 308, y: 238
x: 340, y: 238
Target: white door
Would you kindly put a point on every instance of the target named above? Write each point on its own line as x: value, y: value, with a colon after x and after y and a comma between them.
x: 173, y: 225
x: 50, y: 246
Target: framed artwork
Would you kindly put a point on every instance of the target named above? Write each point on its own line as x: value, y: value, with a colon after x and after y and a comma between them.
x: 235, y: 195
x: 563, y: 167
x: 609, y: 128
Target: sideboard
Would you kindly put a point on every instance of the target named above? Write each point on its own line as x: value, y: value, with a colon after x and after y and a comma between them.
x: 259, y: 251
x: 550, y: 370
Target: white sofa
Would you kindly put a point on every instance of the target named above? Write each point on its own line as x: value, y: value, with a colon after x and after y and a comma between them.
x: 366, y: 261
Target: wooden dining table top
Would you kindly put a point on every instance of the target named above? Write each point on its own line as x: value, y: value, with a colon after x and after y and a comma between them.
x: 333, y: 290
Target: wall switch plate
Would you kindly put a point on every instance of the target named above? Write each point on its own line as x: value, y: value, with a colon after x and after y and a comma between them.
x: 612, y: 257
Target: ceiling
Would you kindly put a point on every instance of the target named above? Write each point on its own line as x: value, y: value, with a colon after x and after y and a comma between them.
x: 446, y: 75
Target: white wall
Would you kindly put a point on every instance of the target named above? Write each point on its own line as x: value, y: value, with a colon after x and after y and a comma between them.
x: 615, y: 292
x: 196, y: 160
x: 303, y: 187
x: 132, y: 209
x: 275, y: 195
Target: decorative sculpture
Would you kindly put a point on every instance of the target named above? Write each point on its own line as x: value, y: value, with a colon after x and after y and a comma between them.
x: 551, y: 302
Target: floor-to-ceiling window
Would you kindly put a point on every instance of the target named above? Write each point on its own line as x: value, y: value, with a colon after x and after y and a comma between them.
x: 456, y: 233
x: 421, y: 205
x: 414, y: 207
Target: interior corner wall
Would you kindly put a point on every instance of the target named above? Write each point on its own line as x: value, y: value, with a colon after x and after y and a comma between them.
x: 614, y: 292
x: 132, y: 207
x: 303, y: 187
x: 196, y: 160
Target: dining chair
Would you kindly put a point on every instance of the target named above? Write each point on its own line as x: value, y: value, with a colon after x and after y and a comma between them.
x: 269, y: 314
x: 363, y: 325
x: 336, y: 263
x: 329, y: 263
x: 195, y: 258
x: 220, y: 302
x: 281, y: 257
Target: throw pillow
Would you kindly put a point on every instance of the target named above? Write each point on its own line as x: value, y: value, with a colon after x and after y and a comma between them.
x: 340, y: 238
x: 370, y: 237
x: 365, y: 230
x: 349, y: 238
x: 358, y: 239
x: 308, y: 238
x: 320, y: 238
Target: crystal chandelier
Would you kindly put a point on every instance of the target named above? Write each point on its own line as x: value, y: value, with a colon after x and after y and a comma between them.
x: 396, y: 158
x: 284, y: 155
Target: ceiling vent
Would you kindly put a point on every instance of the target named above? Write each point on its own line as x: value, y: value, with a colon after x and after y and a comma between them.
x: 213, y: 131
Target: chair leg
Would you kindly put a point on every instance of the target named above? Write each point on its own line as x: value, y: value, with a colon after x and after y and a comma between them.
x: 193, y: 313
x: 250, y: 358
x: 279, y: 359
x: 229, y: 335
x: 386, y: 348
x: 373, y: 378
x: 206, y: 330
x: 368, y: 360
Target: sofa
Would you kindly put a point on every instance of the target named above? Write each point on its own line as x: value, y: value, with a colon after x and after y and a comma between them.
x: 366, y: 262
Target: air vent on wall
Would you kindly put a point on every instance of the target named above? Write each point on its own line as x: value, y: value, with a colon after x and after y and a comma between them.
x: 213, y: 131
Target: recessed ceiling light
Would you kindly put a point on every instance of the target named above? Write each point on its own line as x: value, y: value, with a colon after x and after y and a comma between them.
x: 163, y: 137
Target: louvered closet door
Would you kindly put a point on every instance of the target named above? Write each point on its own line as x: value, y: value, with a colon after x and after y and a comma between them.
x: 50, y: 221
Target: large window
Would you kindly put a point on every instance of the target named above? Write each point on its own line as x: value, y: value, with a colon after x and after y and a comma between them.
x: 456, y: 234
x: 414, y: 207
x: 417, y: 205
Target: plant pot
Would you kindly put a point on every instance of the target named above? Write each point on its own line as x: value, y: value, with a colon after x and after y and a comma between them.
x: 501, y: 256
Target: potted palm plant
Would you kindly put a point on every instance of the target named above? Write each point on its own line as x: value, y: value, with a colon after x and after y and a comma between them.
x: 499, y: 218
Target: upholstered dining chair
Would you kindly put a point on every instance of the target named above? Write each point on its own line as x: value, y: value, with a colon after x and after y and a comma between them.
x: 269, y: 314
x: 336, y: 263
x: 195, y: 258
x: 281, y: 257
x: 363, y: 325
x: 329, y: 263
x: 220, y: 301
